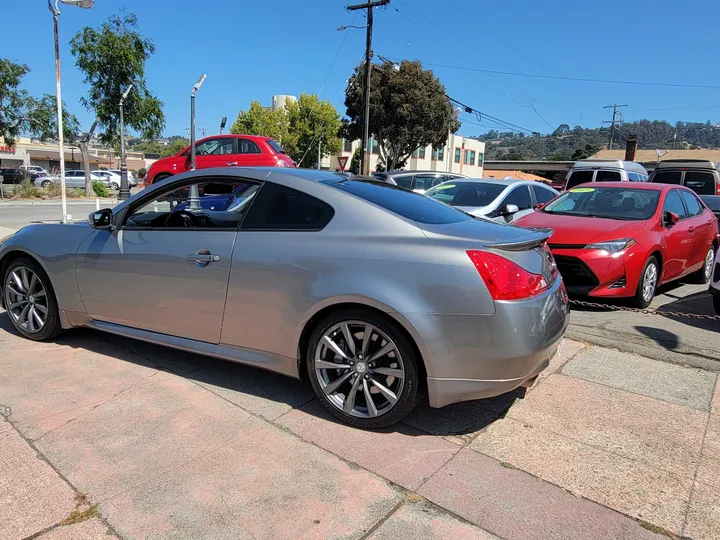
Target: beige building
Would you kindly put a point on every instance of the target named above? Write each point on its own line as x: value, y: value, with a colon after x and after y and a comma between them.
x: 47, y: 155
x: 459, y: 155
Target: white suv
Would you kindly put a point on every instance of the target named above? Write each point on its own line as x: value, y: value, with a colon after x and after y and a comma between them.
x: 31, y: 169
x: 715, y: 283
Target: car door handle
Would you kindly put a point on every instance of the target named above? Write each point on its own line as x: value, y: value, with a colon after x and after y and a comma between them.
x: 691, y: 229
x: 232, y: 164
x: 203, y: 258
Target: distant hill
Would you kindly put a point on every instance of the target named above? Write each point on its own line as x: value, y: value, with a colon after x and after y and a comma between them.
x: 579, y: 143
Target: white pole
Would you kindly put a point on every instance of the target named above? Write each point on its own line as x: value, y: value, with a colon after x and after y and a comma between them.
x: 63, y: 194
x: 97, y: 204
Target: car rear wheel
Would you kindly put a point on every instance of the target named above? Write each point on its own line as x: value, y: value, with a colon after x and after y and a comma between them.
x: 363, y: 369
x: 647, y: 284
x: 46, y: 184
x: 30, y: 300
x: 703, y: 275
x: 114, y: 186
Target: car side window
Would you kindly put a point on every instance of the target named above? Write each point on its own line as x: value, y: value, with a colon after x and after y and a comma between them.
x: 693, y: 205
x: 403, y: 181
x: 213, y: 147
x: 248, y: 147
x: 220, y: 203
x: 673, y: 203
x: 542, y: 195
x: 608, y: 176
x: 425, y: 181
x: 634, y: 177
x: 579, y: 177
x: 282, y: 208
x: 520, y: 197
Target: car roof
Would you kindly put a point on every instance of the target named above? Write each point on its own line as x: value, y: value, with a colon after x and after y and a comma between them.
x: 418, y: 171
x: 687, y: 164
x: 609, y: 164
x: 650, y: 186
x: 234, y: 136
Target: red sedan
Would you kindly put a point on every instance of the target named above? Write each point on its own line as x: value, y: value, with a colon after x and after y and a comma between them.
x: 222, y: 151
x: 623, y: 240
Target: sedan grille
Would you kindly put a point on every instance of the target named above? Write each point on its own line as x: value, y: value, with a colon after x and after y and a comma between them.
x: 578, y: 278
x: 566, y: 246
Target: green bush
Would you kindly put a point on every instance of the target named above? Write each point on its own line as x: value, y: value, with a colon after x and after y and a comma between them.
x: 53, y: 190
x: 27, y: 190
x: 100, y: 189
x: 142, y: 172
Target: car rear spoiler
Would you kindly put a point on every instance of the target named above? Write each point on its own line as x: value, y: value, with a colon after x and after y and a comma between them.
x: 536, y: 239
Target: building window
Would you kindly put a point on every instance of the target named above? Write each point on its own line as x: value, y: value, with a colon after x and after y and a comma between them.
x: 481, y: 159
x: 469, y: 157
x: 420, y: 153
x: 458, y: 154
x: 347, y: 145
x: 374, y: 146
x: 438, y: 153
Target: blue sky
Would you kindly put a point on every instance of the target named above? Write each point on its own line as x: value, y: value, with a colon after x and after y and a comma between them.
x: 252, y: 50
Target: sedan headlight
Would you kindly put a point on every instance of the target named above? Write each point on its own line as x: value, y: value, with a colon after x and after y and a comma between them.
x: 613, y: 246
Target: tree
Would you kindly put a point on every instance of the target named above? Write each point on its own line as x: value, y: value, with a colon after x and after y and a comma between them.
x: 175, y: 146
x: 585, y: 152
x: 355, y: 161
x: 111, y: 58
x: 562, y: 129
x: 21, y: 113
x: 259, y: 120
x: 312, y: 123
x: 408, y: 109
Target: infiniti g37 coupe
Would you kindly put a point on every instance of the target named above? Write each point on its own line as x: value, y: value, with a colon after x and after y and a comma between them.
x: 372, y: 293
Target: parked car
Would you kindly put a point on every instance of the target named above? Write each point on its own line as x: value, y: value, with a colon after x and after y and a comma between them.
x: 311, y: 276
x: 499, y: 200
x: 11, y: 176
x: 700, y: 175
x: 222, y: 151
x: 73, y: 179
x: 713, y: 203
x: 115, y: 179
x: 417, y: 181
x: 132, y: 179
x: 715, y: 283
x: 31, y: 169
x: 603, y: 170
x: 622, y: 240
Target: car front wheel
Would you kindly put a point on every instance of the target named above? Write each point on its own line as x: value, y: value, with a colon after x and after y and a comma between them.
x: 114, y: 186
x: 363, y: 369
x: 647, y: 284
x: 30, y: 300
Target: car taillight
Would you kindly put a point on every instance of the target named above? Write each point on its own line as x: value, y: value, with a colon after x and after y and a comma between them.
x: 504, y: 279
x: 717, y: 188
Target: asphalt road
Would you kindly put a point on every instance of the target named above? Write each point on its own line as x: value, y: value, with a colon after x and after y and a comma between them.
x: 679, y: 340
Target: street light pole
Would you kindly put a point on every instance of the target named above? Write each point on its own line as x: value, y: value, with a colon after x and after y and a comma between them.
x: 86, y: 4
x: 194, y: 192
x: 124, y: 188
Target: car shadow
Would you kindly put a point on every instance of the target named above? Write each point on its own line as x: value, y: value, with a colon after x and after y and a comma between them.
x: 247, y: 386
x: 699, y: 303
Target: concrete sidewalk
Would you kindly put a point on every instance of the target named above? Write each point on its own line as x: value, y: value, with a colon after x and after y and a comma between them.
x: 107, y: 436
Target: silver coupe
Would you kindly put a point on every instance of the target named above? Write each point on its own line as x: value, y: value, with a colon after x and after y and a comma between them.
x: 374, y: 294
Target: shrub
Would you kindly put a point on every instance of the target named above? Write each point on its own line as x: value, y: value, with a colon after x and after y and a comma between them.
x: 142, y: 172
x: 100, y: 189
x: 27, y: 190
x: 53, y: 190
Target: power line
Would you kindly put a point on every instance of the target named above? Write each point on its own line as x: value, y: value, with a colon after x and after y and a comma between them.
x: 484, y: 116
x: 580, y: 79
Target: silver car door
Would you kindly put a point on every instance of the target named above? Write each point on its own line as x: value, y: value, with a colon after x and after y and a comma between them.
x: 165, y: 269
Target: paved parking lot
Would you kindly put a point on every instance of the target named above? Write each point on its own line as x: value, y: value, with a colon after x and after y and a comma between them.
x: 108, y: 435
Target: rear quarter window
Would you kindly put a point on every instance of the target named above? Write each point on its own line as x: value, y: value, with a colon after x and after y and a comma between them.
x: 702, y: 183
x: 281, y: 208
x: 579, y: 177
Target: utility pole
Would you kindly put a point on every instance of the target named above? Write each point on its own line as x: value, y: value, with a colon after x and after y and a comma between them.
x: 203, y: 131
x: 364, y: 161
x: 616, y: 113
x: 320, y: 153
x: 124, y: 187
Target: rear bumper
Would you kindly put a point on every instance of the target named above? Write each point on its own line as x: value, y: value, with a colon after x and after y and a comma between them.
x: 478, y: 356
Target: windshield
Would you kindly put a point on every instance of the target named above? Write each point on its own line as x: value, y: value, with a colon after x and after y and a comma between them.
x: 276, y: 147
x: 407, y: 204
x: 466, y: 193
x: 612, y: 203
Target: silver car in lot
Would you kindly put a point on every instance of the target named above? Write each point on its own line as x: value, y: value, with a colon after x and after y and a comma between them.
x: 73, y: 179
x: 500, y: 200
x: 371, y: 293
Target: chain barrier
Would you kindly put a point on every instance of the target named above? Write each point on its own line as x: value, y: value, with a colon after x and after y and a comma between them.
x: 645, y: 311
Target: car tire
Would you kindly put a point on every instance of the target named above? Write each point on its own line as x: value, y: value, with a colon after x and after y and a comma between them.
x: 647, y: 285
x: 37, y: 293
x: 716, y: 303
x: 46, y: 184
x: 114, y: 186
x: 703, y: 275
x: 399, y: 365
x: 160, y: 178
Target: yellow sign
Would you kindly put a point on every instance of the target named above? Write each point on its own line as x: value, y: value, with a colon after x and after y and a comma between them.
x: 583, y: 190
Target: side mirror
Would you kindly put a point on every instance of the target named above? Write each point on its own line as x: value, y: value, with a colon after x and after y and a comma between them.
x: 102, y: 219
x: 539, y: 206
x: 670, y: 218
x: 510, y: 209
